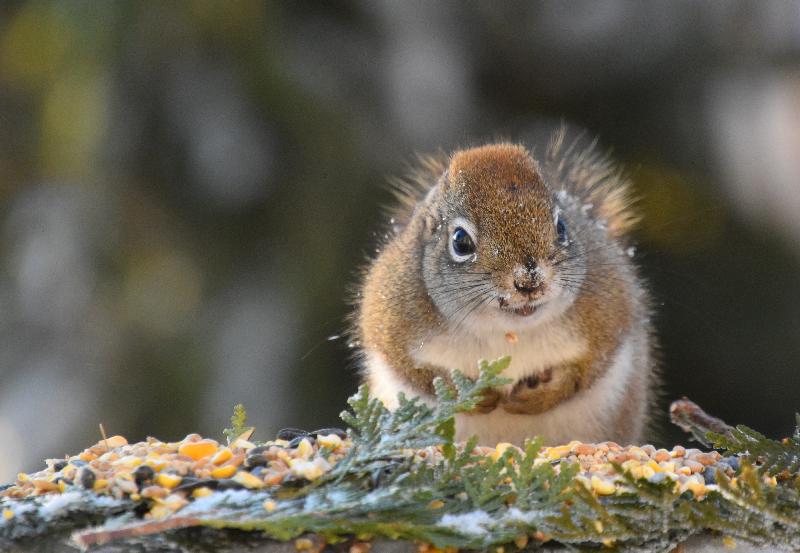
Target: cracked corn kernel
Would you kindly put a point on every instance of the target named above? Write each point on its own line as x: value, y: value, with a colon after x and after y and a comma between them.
x: 499, y: 449
x: 221, y: 456
x: 601, y: 486
x: 8, y: 514
x: 270, y: 505
x: 331, y: 441
x: 168, y: 480
x: 198, y: 450
x: 202, y: 492
x: 248, y: 480
x: 223, y: 472
x: 305, y: 449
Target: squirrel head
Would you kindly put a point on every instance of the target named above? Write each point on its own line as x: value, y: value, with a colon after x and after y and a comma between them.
x: 497, y: 245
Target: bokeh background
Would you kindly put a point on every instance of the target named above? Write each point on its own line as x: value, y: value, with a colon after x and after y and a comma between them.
x: 188, y: 188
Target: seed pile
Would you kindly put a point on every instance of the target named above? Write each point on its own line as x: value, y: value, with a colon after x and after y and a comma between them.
x: 690, y: 469
x: 166, y: 476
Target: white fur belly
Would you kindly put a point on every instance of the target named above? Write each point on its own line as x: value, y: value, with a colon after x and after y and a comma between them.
x: 587, y: 416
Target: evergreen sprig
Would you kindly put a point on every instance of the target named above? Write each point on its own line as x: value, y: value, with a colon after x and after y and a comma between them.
x: 773, y: 457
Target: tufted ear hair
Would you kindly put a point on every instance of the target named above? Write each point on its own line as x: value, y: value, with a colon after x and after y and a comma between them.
x: 594, y: 180
x: 412, y: 189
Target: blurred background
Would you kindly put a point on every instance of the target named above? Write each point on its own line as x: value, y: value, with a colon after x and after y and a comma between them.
x: 188, y: 188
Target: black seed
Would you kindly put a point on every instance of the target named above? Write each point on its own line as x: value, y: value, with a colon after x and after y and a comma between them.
x: 296, y: 442
x: 710, y: 475
x: 327, y: 431
x: 143, y: 474
x: 257, y: 460
x: 228, y: 484
x: 87, y: 478
x: 58, y: 479
x: 189, y: 484
x: 59, y: 465
x: 291, y: 433
x: 77, y: 463
x: 257, y: 471
x: 259, y: 449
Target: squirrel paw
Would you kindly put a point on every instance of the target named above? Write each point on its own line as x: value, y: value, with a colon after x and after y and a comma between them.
x: 491, y: 398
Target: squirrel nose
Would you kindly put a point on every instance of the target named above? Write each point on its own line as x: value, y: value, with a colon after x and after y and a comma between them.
x: 527, y: 278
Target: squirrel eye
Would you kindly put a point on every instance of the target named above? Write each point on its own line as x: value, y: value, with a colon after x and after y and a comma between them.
x: 462, y: 246
x: 561, y: 230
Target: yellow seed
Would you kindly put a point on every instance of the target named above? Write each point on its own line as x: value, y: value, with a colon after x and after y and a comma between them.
x: 303, y: 544
x: 584, y: 481
x: 198, y: 450
x: 8, y: 514
x: 168, y: 480
x: 22, y: 477
x: 598, y: 525
x: 608, y: 542
x: 668, y: 466
x: 270, y: 505
x: 135, y: 497
x: 771, y: 481
x: 100, y: 484
x: 160, y: 511
x: 221, y: 456
x: 728, y: 542
x: 521, y: 541
x: 655, y: 466
x: 559, y: 451
x: 62, y: 486
x: 223, y: 472
x: 697, y: 488
x: 331, y: 441
x: 499, y: 449
x: 436, y: 504
x: 602, y: 487
x: 202, y: 492
x: 248, y: 480
x: 304, y: 449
